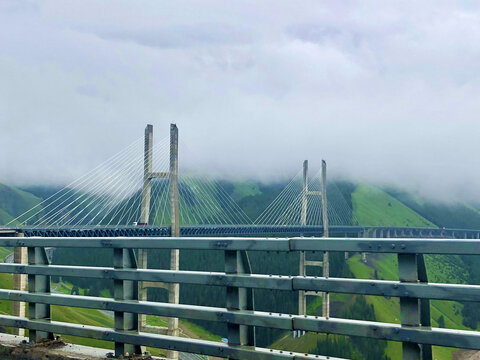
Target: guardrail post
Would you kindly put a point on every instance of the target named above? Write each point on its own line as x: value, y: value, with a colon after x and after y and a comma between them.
x: 409, y: 307
x: 236, y: 298
x: 125, y: 290
x: 38, y: 284
x: 425, y: 319
x: 250, y: 294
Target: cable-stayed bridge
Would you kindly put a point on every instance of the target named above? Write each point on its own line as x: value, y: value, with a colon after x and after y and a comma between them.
x: 125, y: 192
x: 140, y: 200
x: 130, y: 194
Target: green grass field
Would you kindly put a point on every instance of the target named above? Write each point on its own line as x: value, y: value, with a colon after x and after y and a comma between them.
x: 374, y: 207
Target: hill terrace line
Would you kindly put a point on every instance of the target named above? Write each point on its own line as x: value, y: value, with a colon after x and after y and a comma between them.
x: 149, y: 216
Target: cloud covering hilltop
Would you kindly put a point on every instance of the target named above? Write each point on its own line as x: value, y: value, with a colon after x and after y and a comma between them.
x: 385, y: 91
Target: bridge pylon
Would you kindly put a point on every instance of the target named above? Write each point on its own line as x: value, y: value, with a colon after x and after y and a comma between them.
x: 172, y: 176
x: 304, y: 263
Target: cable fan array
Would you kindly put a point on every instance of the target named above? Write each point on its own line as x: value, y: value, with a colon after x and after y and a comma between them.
x: 286, y: 208
x: 110, y: 196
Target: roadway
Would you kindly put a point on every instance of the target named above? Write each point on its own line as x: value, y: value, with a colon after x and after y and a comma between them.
x: 251, y: 230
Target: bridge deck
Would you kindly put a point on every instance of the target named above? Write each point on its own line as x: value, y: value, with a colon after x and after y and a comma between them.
x: 250, y: 230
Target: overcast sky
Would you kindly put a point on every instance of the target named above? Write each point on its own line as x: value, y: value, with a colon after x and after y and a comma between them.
x: 385, y: 91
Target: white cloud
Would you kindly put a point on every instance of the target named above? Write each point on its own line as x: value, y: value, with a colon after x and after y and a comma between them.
x: 385, y: 91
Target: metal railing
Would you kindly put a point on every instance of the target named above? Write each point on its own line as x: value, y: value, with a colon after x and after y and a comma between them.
x: 414, y: 331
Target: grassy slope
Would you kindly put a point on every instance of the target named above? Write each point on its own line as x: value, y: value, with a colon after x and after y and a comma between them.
x: 5, y: 217
x: 245, y: 188
x: 98, y: 318
x: 14, y: 202
x: 373, y: 206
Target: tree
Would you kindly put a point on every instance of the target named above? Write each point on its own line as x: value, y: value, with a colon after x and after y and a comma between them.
x: 441, y: 321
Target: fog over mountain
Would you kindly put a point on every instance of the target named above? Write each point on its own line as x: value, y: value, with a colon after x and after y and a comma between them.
x: 386, y: 92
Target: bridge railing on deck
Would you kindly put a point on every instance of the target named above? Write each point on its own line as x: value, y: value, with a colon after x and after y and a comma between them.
x: 414, y: 331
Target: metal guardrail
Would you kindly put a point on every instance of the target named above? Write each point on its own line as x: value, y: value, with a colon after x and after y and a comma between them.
x: 414, y: 331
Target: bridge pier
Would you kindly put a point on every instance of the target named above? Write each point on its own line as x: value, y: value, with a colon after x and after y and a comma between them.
x: 19, y: 280
x: 38, y: 284
x: 174, y: 288
x: 19, y: 283
x: 145, y: 215
x: 172, y: 175
x: 366, y: 234
x: 303, y: 262
x: 236, y: 298
x: 125, y: 290
x: 302, y: 299
x: 326, y: 264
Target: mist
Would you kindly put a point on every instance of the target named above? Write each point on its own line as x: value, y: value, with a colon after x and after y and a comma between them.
x: 385, y: 92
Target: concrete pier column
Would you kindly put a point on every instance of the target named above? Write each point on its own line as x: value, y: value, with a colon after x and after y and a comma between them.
x: 19, y: 283
x: 174, y: 289
x: 367, y: 233
x: 145, y: 215
x: 302, y: 301
x: 326, y: 264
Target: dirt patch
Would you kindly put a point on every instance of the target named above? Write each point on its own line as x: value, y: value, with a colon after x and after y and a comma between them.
x: 466, y: 355
x: 52, y: 350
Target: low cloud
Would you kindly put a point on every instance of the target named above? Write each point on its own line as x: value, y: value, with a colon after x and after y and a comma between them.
x: 386, y: 92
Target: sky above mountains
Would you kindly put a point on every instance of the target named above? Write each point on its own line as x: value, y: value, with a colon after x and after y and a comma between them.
x: 384, y: 91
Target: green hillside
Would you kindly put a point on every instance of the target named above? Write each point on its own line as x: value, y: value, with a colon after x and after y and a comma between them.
x: 448, y: 214
x: 14, y: 202
x: 371, y: 205
x: 374, y: 207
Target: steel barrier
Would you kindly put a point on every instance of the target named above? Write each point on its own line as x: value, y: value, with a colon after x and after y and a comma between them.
x: 415, y: 332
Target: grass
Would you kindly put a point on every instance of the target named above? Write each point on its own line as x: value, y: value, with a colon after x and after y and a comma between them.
x: 94, y: 317
x: 156, y: 321
x: 199, y: 331
x: 388, y: 310
x: 4, y: 252
x: 374, y: 207
x: 6, y: 282
x: 14, y: 202
x: 85, y: 317
x: 244, y: 189
x: 5, y: 217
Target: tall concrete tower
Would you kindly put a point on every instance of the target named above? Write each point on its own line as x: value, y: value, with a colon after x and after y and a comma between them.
x: 147, y: 175
x: 304, y: 262
x: 174, y: 289
x: 302, y: 301
x: 172, y: 176
x: 326, y: 262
